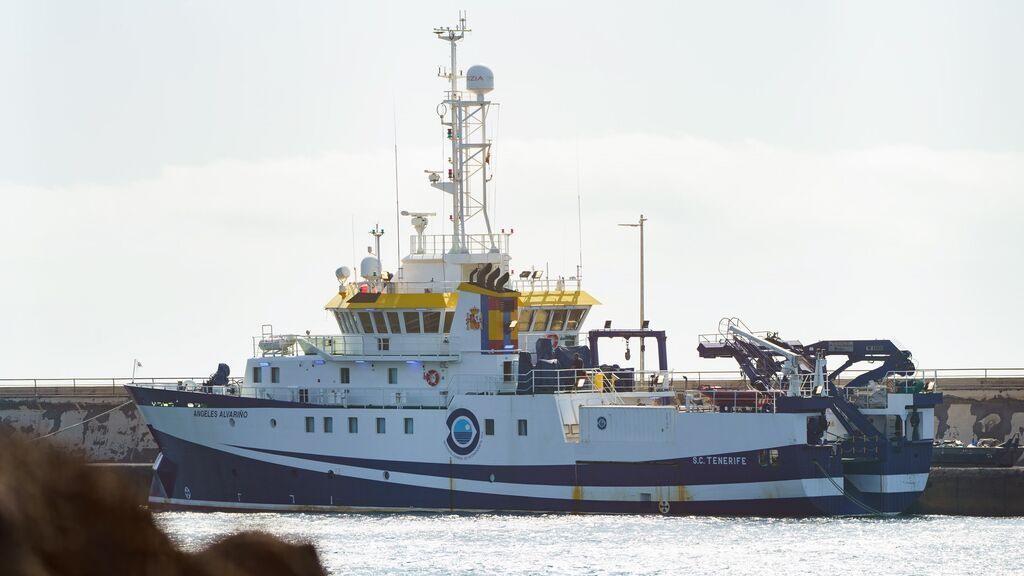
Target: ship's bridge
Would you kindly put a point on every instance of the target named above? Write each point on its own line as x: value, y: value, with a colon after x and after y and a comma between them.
x: 553, y: 309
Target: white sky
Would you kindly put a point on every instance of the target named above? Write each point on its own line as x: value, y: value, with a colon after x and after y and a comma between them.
x: 175, y: 174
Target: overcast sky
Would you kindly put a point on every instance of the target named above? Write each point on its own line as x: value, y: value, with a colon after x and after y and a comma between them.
x: 175, y: 174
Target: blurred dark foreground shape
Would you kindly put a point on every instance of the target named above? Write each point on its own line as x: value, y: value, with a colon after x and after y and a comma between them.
x: 61, y: 517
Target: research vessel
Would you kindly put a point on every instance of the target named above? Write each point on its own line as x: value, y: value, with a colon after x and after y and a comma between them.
x: 456, y: 384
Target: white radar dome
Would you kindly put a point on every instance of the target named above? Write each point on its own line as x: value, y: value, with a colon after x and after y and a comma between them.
x: 479, y: 79
x: 369, y: 268
x: 342, y: 274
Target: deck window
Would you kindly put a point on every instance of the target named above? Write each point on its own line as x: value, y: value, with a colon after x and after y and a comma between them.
x: 522, y: 427
x: 275, y: 375
x: 394, y: 324
x: 408, y: 425
x: 343, y: 375
x: 489, y: 427
x: 257, y: 374
x: 367, y: 324
x: 392, y: 375
x: 304, y: 395
x: 558, y: 319
x: 328, y: 424
x: 381, y: 426
x: 353, y: 425
x: 506, y: 369
x: 448, y: 317
x: 431, y: 322
x: 540, y: 321
x: 383, y: 344
x: 575, y: 318
x: 412, y: 322
x: 310, y: 426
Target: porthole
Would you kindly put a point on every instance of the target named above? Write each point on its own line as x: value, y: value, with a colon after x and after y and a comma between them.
x: 387, y: 475
x: 273, y: 423
x: 492, y: 477
x: 231, y: 421
x: 330, y: 474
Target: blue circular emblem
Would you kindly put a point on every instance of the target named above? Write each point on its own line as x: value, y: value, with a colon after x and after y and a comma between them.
x: 602, y: 423
x: 463, y: 432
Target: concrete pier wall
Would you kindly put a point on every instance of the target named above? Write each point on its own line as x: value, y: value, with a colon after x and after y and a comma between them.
x: 118, y: 436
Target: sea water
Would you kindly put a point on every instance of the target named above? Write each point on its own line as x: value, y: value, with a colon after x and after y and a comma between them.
x: 577, y: 544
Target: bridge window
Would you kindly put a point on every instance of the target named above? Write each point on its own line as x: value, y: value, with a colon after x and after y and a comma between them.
x: 353, y: 322
x: 367, y: 324
x: 343, y: 375
x: 394, y: 324
x: 540, y: 320
x: 412, y: 322
x: 521, y: 424
x: 448, y: 317
x: 309, y: 424
x: 257, y: 374
x: 431, y: 322
x: 558, y: 319
x: 392, y: 375
x: 525, y: 315
x: 378, y: 321
x: 381, y: 426
x: 275, y: 375
x: 575, y: 319
x: 408, y: 425
x: 328, y: 424
x: 353, y: 425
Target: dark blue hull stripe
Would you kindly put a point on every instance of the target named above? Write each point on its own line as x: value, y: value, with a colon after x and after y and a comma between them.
x: 793, y: 463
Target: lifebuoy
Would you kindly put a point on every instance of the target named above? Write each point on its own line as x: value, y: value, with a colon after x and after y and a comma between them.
x: 432, y: 377
x: 554, y: 340
x: 664, y: 507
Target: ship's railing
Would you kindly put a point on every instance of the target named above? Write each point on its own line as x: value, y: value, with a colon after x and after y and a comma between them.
x: 348, y: 396
x: 571, y: 284
x: 870, y: 396
x: 354, y: 345
x: 440, y: 244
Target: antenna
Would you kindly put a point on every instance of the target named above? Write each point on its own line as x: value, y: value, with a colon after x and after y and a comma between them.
x: 579, y: 217
x: 394, y: 124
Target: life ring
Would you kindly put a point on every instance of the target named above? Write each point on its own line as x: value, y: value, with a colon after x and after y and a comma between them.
x: 664, y: 507
x: 432, y: 377
x: 554, y: 340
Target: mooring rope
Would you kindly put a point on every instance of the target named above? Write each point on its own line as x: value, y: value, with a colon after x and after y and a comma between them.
x: 83, y: 421
x: 845, y: 493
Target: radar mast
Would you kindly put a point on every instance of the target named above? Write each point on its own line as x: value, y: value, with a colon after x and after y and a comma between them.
x: 465, y: 122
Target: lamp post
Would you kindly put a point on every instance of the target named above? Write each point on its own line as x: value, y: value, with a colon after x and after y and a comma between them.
x: 640, y: 225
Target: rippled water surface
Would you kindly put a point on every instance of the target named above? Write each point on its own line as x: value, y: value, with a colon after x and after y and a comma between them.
x: 506, y: 544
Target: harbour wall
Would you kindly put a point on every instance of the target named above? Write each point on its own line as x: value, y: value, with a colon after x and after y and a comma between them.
x: 971, y: 408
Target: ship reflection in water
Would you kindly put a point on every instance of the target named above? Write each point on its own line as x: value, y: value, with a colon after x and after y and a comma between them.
x: 584, y: 544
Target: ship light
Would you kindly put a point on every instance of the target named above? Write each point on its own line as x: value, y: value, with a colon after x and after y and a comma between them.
x: 264, y: 364
x: 318, y: 362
